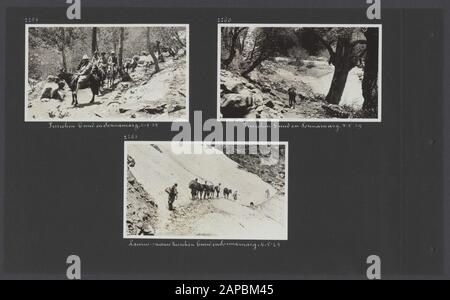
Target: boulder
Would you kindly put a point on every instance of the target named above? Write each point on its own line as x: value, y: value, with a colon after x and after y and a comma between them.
x: 269, y: 104
x: 236, y: 105
x: 130, y: 161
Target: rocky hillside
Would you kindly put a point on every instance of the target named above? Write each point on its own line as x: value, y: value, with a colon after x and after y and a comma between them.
x: 141, y: 217
x: 273, y: 173
x: 264, y: 93
x: 158, y: 167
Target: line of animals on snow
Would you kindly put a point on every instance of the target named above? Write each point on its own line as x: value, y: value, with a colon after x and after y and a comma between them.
x: 209, y: 190
x: 200, y: 191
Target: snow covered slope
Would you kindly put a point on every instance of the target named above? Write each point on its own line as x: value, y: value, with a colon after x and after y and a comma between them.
x: 159, y: 167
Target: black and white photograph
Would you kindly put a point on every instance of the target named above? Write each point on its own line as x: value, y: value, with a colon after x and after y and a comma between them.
x: 103, y: 73
x: 202, y: 190
x: 295, y: 72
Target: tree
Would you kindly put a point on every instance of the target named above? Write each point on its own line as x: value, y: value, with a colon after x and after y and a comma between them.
x: 268, y: 43
x: 232, y: 36
x: 151, y: 50
x: 63, y: 48
x: 115, y: 38
x: 94, y: 40
x: 60, y: 38
x: 370, y: 80
x: 121, y: 38
x: 345, y: 53
x: 158, y: 50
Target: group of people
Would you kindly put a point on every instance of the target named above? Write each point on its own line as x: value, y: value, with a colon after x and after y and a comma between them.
x: 200, y: 191
x: 99, y: 62
x: 105, y: 66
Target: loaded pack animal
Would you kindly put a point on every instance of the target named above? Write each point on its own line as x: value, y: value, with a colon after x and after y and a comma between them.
x: 196, y: 189
x: 217, y: 190
x: 92, y: 81
x: 205, y: 191
x: 227, y: 192
x: 131, y: 64
x: 210, y: 190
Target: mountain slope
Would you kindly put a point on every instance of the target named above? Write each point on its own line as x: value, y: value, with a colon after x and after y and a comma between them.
x: 159, y: 167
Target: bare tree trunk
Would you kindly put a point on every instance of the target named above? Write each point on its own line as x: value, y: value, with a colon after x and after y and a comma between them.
x: 177, y: 37
x: 233, y: 46
x: 256, y: 63
x: 370, y: 80
x: 242, y: 43
x: 151, y: 50
x: 158, y: 50
x: 94, y: 40
x: 337, y: 84
x: 63, y: 48
x: 253, y: 52
x: 114, y: 39
x: 121, y: 38
x: 343, y: 60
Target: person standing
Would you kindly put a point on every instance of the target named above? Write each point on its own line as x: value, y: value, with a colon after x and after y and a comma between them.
x: 113, y: 60
x: 292, y: 94
x: 173, y: 193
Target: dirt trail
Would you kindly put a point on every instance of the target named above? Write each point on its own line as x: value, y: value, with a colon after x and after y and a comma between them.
x: 318, y: 76
x: 268, y: 89
x: 161, y: 97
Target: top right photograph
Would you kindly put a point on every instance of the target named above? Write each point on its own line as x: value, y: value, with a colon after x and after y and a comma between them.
x: 299, y: 72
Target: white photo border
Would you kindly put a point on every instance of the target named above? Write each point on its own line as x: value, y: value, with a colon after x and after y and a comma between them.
x: 302, y: 120
x: 185, y: 237
x: 27, y: 119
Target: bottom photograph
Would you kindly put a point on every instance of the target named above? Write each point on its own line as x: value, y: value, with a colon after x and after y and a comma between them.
x: 204, y: 190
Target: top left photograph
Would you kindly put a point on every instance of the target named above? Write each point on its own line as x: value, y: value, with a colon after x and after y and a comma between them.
x: 106, y: 73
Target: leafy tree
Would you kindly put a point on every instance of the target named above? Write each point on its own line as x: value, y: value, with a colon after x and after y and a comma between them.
x: 270, y: 42
x: 346, y: 48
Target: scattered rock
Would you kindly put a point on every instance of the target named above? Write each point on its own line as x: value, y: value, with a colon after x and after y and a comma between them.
x: 269, y: 104
x: 266, y: 89
x: 175, y: 108
x: 336, y: 111
x: 154, y: 110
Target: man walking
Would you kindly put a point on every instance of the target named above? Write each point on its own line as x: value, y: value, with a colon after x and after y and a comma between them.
x: 173, y: 192
x: 292, y: 94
